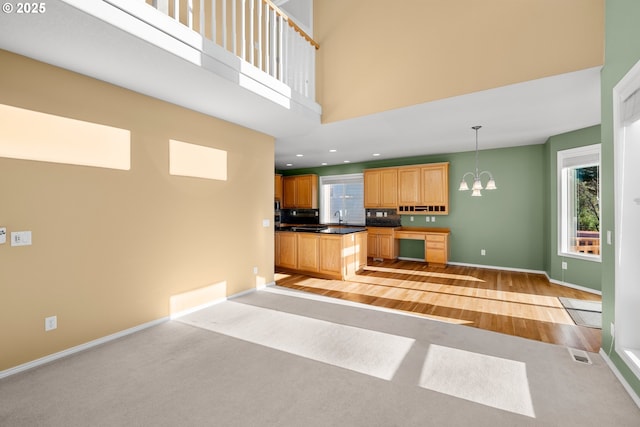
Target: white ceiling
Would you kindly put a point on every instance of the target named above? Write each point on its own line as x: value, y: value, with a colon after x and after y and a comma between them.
x: 520, y: 114
x: 526, y: 113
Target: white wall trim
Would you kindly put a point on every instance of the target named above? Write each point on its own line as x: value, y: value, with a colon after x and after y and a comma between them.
x: 79, y: 348
x: 404, y: 258
x: 524, y: 270
x: 620, y: 378
x: 102, y: 340
x: 571, y: 285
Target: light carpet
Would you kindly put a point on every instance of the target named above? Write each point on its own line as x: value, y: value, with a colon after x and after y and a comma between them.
x: 328, y: 363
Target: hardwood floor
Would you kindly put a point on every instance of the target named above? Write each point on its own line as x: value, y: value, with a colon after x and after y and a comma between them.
x: 514, y: 303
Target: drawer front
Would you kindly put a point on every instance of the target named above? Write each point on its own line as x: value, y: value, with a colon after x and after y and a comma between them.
x: 435, y: 245
x: 437, y: 257
x: 435, y: 238
x: 406, y: 235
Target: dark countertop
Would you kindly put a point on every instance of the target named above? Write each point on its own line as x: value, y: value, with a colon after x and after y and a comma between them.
x: 324, y: 229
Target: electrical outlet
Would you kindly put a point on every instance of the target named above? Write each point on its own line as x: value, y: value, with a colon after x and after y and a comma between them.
x: 483, y: 252
x: 50, y: 323
x: 433, y: 219
x: 411, y: 218
x: 426, y: 218
x: 564, y: 265
x: 255, y: 270
x: 20, y: 238
x: 3, y: 235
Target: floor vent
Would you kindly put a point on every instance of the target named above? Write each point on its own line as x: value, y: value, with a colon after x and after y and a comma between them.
x: 579, y: 356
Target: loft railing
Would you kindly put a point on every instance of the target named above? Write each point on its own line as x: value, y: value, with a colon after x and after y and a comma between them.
x: 257, y: 31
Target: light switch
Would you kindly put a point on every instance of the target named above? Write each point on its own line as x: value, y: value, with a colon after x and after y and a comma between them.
x: 20, y: 238
x: 3, y: 235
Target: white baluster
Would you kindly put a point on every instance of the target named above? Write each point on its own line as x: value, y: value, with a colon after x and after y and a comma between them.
x: 176, y: 10
x: 202, y: 29
x: 251, y: 31
x: 224, y: 24
x: 234, y: 34
x: 259, y: 34
x: 284, y: 43
x: 281, y: 25
x: 267, y: 44
x: 243, y: 29
x: 214, y: 24
x: 190, y: 14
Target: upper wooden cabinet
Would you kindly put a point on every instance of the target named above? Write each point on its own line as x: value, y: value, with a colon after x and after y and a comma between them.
x: 435, y: 185
x: 409, y: 186
x: 381, y: 188
x: 300, y: 191
x: 424, y: 189
x: 277, y: 187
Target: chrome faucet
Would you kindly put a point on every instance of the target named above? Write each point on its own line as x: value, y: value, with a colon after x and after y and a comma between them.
x: 339, y: 215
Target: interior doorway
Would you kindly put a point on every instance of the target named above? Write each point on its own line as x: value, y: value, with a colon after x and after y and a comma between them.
x: 626, y: 114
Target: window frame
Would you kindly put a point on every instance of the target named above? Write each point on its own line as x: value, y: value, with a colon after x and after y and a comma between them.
x: 321, y: 196
x: 572, y: 156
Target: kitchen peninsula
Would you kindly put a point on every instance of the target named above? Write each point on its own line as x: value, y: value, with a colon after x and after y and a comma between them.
x: 321, y: 251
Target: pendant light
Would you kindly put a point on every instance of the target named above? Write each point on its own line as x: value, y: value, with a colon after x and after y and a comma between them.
x: 477, y: 184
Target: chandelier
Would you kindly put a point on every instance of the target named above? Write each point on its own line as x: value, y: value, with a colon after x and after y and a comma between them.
x: 477, y: 184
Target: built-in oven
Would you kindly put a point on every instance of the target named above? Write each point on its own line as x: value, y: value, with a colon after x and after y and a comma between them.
x: 276, y: 214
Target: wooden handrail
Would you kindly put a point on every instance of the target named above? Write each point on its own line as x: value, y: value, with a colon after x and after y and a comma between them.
x: 291, y: 23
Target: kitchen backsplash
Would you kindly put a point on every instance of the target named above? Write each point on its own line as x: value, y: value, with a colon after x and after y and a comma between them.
x: 300, y: 216
x: 382, y: 218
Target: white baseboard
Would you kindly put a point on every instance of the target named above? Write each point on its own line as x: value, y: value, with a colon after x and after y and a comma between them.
x: 620, y: 378
x: 571, y: 285
x: 497, y: 267
x: 524, y: 270
x: 79, y: 348
x: 404, y: 258
x: 68, y: 352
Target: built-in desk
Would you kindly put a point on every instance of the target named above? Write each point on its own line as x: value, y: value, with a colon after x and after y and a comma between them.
x: 436, y: 242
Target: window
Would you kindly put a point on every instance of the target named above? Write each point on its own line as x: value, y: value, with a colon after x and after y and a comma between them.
x: 579, y: 202
x: 342, y: 199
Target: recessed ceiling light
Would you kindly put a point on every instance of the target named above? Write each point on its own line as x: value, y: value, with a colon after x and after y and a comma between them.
x: 289, y: 164
x: 299, y: 155
x: 347, y: 161
x: 333, y: 150
x: 376, y: 154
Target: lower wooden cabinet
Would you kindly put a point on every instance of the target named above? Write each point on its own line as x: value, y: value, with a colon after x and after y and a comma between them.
x: 308, y: 252
x: 337, y: 256
x: 286, y: 250
x: 436, y: 248
x: 381, y: 243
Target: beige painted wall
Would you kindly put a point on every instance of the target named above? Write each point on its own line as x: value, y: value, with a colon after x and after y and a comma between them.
x: 378, y: 55
x: 112, y: 249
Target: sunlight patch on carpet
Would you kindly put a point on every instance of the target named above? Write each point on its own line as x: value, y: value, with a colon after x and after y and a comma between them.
x: 361, y: 350
x: 488, y: 380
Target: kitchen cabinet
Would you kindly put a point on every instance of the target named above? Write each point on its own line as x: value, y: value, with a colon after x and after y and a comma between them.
x: 308, y: 252
x: 287, y: 250
x: 381, y: 188
x: 424, y: 189
x: 334, y: 256
x: 436, y: 242
x: 436, y: 248
x: 381, y: 243
x: 300, y: 191
x: 409, y: 186
x: 277, y: 187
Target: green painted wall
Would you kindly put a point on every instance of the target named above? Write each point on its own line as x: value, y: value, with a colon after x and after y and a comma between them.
x: 622, y: 51
x: 578, y: 272
x: 507, y: 223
